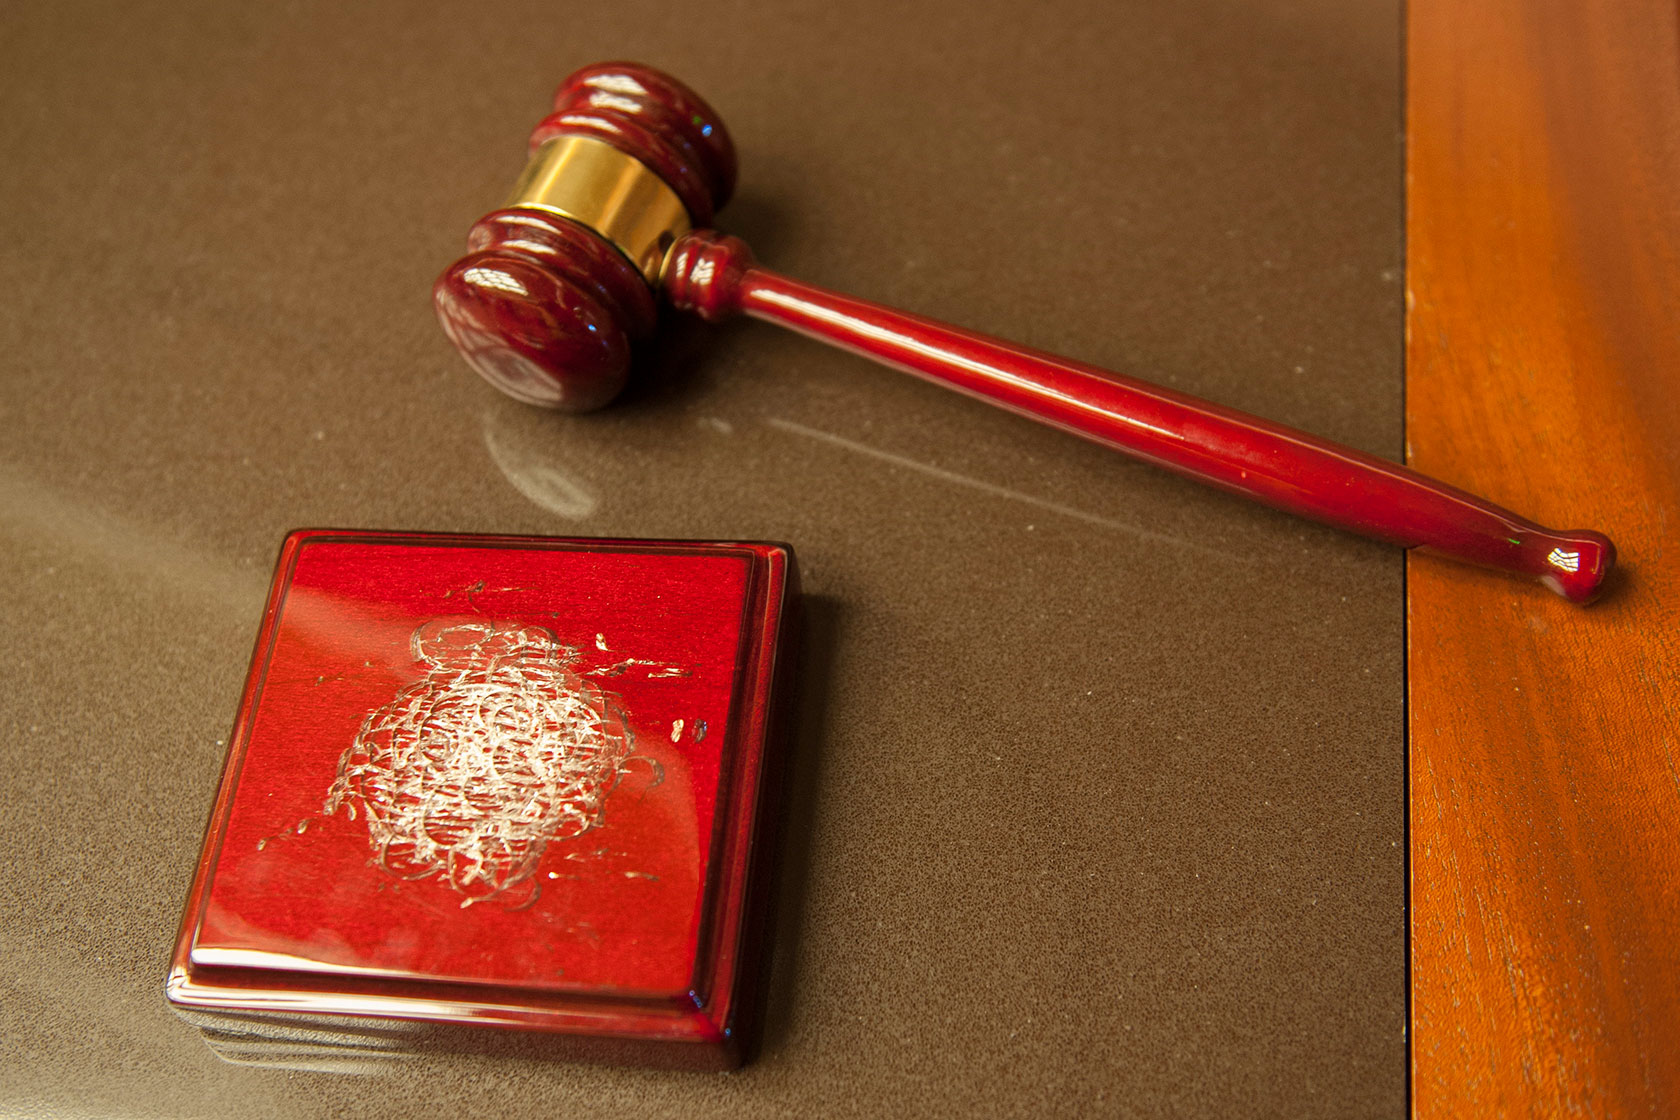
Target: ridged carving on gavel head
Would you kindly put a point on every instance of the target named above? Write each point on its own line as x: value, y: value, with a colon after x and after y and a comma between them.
x: 656, y: 119
x: 546, y: 306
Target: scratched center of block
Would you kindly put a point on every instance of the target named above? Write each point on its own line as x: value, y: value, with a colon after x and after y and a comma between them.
x: 469, y: 773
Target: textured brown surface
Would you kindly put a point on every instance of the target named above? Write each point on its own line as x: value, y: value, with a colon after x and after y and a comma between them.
x: 1097, y: 804
x: 1544, y: 271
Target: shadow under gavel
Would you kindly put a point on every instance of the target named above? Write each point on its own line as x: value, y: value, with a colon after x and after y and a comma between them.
x: 630, y: 168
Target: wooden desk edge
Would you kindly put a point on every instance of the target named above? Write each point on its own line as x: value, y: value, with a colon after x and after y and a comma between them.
x: 1543, y: 369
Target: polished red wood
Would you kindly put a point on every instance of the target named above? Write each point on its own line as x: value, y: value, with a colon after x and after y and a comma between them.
x: 715, y: 276
x: 495, y: 310
x: 544, y: 308
x: 537, y: 293
x: 638, y: 924
x: 655, y: 118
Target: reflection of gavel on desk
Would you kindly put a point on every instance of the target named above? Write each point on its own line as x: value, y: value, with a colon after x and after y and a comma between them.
x: 559, y: 282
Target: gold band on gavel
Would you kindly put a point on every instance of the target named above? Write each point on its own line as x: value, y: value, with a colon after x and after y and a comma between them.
x: 596, y: 185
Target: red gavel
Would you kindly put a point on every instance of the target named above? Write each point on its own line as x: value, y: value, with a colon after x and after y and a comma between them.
x: 630, y: 167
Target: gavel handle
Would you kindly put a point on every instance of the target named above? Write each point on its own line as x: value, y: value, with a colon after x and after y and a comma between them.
x: 1275, y: 465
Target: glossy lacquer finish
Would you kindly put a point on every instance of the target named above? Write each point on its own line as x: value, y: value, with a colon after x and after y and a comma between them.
x: 498, y: 309
x: 1289, y: 470
x: 544, y: 308
x: 655, y: 118
x: 496, y: 781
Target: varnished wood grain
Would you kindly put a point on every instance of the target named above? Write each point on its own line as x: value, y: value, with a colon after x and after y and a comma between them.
x: 1543, y: 369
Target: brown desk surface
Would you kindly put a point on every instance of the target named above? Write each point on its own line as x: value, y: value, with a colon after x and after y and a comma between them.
x: 1098, y: 795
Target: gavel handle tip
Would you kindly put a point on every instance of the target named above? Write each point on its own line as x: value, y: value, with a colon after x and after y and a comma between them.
x: 1579, y: 564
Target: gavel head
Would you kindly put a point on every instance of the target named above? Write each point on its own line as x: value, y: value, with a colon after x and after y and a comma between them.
x: 558, y: 283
